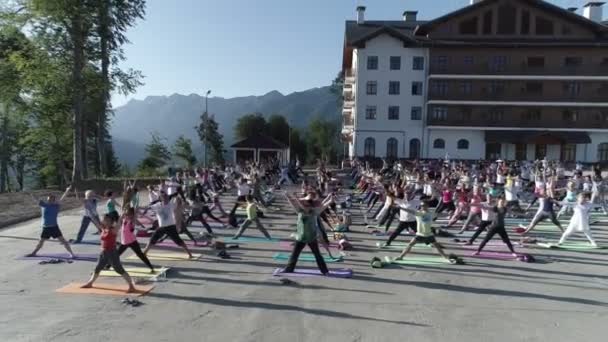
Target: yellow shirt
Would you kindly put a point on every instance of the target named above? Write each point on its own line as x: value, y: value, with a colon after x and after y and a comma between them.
x: 252, y: 211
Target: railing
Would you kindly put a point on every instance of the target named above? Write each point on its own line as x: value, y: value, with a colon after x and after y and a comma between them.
x: 522, y: 69
x: 520, y: 95
x: 487, y: 121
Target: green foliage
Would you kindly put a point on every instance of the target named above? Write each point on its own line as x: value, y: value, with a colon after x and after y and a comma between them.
x: 250, y: 125
x: 323, y: 140
x: 208, y: 132
x: 182, y: 149
x: 157, y: 155
x: 278, y: 128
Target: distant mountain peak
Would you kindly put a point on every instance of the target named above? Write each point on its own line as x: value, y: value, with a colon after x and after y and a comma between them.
x: 274, y: 93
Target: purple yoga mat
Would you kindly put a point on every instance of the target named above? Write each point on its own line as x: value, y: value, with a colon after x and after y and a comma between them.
x: 312, y: 272
x: 491, y: 244
x: 493, y: 255
x: 288, y: 245
x: 63, y: 256
x: 188, y: 243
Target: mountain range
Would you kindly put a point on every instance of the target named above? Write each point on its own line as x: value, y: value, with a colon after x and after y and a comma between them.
x: 175, y: 115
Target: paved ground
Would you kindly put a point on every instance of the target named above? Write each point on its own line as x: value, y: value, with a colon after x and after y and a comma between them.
x: 563, y: 297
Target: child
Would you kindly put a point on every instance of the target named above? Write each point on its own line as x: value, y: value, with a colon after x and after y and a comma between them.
x: 424, y: 232
x: 128, y: 238
x: 252, y: 216
x: 111, y: 206
x: 50, y: 228
x: 109, y: 254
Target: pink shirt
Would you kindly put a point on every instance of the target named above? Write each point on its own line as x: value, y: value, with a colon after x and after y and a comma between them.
x: 446, y: 196
x: 127, y: 235
x: 475, y: 200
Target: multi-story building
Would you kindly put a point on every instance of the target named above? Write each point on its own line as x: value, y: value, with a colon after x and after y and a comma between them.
x: 512, y: 79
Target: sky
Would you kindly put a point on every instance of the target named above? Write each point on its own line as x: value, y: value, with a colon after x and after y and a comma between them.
x: 250, y: 47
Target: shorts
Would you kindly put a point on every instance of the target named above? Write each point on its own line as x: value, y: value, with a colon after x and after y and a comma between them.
x: 114, y: 216
x: 170, y: 231
x: 51, y: 232
x: 425, y: 239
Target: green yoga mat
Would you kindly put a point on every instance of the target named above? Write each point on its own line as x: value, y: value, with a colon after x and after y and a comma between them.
x: 573, y: 246
x: 250, y: 239
x: 418, y: 260
x: 402, y: 245
x: 305, y: 257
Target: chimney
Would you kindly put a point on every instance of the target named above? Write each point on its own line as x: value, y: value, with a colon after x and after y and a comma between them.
x: 410, y: 15
x: 360, y: 15
x: 593, y: 11
x: 473, y: 2
x: 572, y: 9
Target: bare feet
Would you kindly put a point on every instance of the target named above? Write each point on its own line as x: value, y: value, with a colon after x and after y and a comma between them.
x: 86, y: 286
x: 131, y: 289
x: 476, y: 253
x: 514, y: 255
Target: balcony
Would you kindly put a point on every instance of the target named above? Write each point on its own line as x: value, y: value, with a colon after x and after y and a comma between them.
x: 521, y: 95
x: 347, y: 90
x: 588, y: 71
x: 349, y: 76
x: 347, y: 111
x: 585, y: 121
x: 349, y: 102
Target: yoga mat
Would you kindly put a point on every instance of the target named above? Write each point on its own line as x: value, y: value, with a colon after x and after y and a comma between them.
x: 250, y: 239
x: 62, y: 256
x: 87, y: 242
x: 493, y: 255
x: 105, y: 289
x: 305, y: 257
x: 137, y: 272
x: 418, y: 260
x: 490, y: 243
x: 402, y: 245
x: 574, y: 246
x: 188, y: 243
x: 286, y: 244
x: 311, y: 272
x: 167, y: 256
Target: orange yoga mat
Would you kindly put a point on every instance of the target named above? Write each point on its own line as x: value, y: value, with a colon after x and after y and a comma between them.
x: 105, y: 289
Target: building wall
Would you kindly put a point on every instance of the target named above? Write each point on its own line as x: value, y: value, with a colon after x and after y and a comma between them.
x: 382, y: 128
x: 476, y: 150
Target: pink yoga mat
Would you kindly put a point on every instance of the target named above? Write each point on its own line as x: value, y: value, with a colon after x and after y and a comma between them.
x: 188, y: 243
x: 493, y: 255
x: 311, y: 272
x: 288, y: 245
x: 63, y: 256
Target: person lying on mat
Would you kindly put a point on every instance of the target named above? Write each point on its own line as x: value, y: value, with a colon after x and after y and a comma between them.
x: 424, y: 231
x: 50, y: 229
x: 109, y: 254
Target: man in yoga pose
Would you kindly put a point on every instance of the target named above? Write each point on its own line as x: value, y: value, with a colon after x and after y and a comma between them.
x: 252, y: 216
x: 424, y: 232
x: 50, y: 229
x: 406, y: 219
x: 166, y: 224
x: 109, y: 254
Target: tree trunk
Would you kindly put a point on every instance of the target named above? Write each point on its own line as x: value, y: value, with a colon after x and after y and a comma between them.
x: 4, y: 155
x: 84, y: 151
x: 104, y: 34
x: 77, y: 37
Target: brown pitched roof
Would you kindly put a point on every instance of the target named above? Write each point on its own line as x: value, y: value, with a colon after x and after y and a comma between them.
x: 358, y: 34
x: 260, y: 141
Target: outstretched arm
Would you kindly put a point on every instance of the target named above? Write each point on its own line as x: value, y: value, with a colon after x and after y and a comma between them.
x: 65, y: 193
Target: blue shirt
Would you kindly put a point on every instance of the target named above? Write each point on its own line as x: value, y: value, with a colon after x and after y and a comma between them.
x: 50, y: 211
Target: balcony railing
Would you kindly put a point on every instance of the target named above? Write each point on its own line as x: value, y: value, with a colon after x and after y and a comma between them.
x: 522, y: 69
x: 349, y: 76
x: 521, y: 95
x: 488, y: 121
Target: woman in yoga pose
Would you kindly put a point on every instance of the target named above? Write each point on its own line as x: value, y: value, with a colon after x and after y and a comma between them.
x: 497, y: 226
x: 579, y: 221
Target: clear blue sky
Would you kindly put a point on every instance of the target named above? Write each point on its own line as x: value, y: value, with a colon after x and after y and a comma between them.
x: 250, y: 47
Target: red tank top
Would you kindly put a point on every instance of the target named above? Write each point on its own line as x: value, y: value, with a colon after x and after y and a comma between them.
x: 108, y: 240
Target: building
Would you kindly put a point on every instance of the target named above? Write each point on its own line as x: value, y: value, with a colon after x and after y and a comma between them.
x: 260, y: 148
x: 511, y: 79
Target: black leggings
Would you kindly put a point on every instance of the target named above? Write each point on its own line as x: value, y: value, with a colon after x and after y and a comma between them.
x: 137, y: 250
x: 449, y: 206
x: 388, y: 218
x: 500, y: 230
x: 401, y: 227
x: 481, y: 228
x: 295, y: 254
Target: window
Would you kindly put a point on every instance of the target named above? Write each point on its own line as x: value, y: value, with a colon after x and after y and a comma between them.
x: 544, y: 26
x: 536, y: 62
x: 418, y: 63
x: 394, y: 88
x: 493, y: 151
x: 604, y: 62
x: 463, y: 144
x: 534, y: 87
x: 572, y: 89
x: 573, y: 62
x: 392, y: 148
x: 488, y: 22
x: 496, y: 115
x: 370, y: 113
x: 469, y: 60
x: 372, y: 62
x: 414, y: 149
x: 466, y: 87
x: 525, y: 22
x: 416, y: 88
x: 372, y: 87
x: 369, y: 148
x: 395, y: 63
x: 496, y: 87
x: 568, y: 152
x: 416, y: 113
x: 464, y: 114
x: 439, y: 144
x: 393, y: 113
x: 439, y: 88
x: 602, y: 152
x: 521, y: 152
x: 440, y: 62
x: 570, y: 115
x: 498, y: 63
x: 540, y: 151
x: 440, y: 113
x: 506, y: 19
x: 468, y: 26
x: 566, y: 30
x: 532, y: 114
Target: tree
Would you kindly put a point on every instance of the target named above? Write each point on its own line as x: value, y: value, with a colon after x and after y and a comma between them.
x: 208, y: 132
x: 323, y: 138
x: 250, y: 125
x: 182, y: 149
x: 337, y: 88
x: 278, y: 128
x: 157, y: 155
x: 298, y: 146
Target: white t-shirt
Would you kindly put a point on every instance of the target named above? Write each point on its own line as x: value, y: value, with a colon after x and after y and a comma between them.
x: 404, y: 216
x: 243, y: 190
x: 486, y: 213
x: 164, y: 213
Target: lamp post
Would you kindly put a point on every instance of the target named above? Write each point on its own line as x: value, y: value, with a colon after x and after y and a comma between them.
x: 206, y: 124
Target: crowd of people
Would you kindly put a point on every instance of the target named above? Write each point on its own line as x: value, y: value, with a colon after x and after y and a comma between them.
x: 476, y: 196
